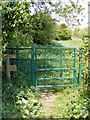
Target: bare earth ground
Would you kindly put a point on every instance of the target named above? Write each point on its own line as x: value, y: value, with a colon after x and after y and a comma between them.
x: 48, y: 102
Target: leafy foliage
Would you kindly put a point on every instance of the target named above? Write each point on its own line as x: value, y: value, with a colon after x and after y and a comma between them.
x: 43, y: 28
x: 78, y: 105
x: 71, y: 103
x: 80, y: 33
x: 16, y: 27
x: 19, y: 27
x: 84, y: 59
x: 20, y: 101
x: 64, y: 32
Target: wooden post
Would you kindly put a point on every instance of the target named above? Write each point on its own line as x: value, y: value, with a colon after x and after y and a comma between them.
x: 8, y: 66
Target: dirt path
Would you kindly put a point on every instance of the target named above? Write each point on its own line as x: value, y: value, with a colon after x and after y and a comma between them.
x: 48, y: 102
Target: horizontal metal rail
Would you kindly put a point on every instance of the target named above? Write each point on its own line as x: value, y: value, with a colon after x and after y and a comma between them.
x: 63, y: 78
x: 19, y: 48
x: 57, y: 47
x: 49, y: 69
x: 56, y: 59
x: 48, y: 86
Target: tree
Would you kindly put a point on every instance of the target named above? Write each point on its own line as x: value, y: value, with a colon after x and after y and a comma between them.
x: 20, y: 28
x: 43, y: 28
x: 18, y: 24
x: 85, y: 32
x: 64, y: 32
x: 80, y: 33
x: 77, y: 32
x: 68, y: 10
x: 16, y: 27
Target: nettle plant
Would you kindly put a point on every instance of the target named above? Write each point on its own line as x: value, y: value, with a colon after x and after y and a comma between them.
x: 78, y: 105
x: 27, y: 104
x: 20, y: 101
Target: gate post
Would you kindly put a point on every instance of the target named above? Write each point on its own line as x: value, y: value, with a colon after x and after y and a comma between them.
x: 9, y: 67
x: 32, y: 66
x: 74, y: 66
x: 80, y: 66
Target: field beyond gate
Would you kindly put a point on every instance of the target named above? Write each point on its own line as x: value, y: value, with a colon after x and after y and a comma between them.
x: 46, y: 66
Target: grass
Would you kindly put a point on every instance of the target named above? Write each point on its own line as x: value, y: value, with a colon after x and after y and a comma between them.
x: 62, y: 101
x: 66, y: 98
x: 63, y: 93
x: 70, y: 43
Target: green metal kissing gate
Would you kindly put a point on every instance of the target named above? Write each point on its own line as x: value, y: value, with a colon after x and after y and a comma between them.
x: 48, y: 66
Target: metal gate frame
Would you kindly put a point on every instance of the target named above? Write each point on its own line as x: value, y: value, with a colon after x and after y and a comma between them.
x: 61, y: 68
x: 34, y: 68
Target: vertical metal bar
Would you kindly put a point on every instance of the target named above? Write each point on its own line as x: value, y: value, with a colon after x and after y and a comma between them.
x: 32, y: 66
x: 74, y: 66
x: 47, y: 55
x: 80, y: 66
x: 17, y: 55
x: 61, y: 61
x: 36, y: 64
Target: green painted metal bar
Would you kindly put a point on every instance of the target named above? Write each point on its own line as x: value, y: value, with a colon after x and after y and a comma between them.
x: 49, y: 86
x: 19, y: 48
x: 47, y: 56
x: 42, y: 46
x: 61, y: 61
x: 56, y: 59
x: 63, y: 78
x: 23, y: 48
x: 57, y: 47
x: 36, y: 65
x: 80, y: 66
x: 49, y: 69
x: 74, y: 82
x: 32, y: 66
x: 17, y: 55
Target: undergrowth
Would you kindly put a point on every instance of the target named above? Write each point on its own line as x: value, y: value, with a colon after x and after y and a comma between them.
x: 72, y: 103
x: 20, y: 101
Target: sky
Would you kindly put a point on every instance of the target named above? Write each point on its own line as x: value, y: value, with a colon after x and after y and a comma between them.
x: 85, y: 19
x: 84, y: 4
